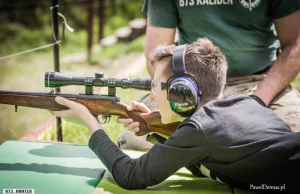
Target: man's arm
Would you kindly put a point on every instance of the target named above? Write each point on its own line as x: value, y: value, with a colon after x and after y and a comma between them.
x: 154, y: 37
x: 287, y: 66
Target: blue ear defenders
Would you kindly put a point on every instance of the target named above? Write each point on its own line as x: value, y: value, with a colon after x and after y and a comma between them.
x: 182, y: 89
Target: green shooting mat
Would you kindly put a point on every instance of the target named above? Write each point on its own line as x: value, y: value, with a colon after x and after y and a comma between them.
x: 67, y: 169
x: 181, y: 182
x: 49, y: 167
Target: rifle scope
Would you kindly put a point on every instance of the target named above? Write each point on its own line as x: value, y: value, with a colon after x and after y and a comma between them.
x: 55, y: 79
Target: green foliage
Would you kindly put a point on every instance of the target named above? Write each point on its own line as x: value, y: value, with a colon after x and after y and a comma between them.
x: 296, y: 83
x: 23, y: 12
x: 27, y: 24
x: 114, y: 22
x: 118, y: 49
x: 18, y: 38
x: 74, y: 42
x: 133, y: 9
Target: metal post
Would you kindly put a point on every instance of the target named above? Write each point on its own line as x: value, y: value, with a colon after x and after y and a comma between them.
x: 56, y: 61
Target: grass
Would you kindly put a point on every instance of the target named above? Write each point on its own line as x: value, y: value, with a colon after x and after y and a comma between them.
x: 296, y: 83
x: 114, y: 22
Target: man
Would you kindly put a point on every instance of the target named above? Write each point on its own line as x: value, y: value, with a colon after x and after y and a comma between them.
x: 245, y: 32
x: 234, y: 141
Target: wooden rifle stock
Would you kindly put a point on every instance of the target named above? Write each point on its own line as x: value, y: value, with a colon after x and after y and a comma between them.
x: 96, y: 104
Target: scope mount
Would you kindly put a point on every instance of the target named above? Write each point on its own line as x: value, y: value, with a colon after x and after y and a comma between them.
x: 89, y: 90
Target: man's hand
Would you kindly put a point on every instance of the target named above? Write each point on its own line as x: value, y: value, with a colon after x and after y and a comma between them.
x: 128, y: 123
x: 77, y: 113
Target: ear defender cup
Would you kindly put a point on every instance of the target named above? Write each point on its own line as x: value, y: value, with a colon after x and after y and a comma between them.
x: 183, y: 96
x: 182, y: 89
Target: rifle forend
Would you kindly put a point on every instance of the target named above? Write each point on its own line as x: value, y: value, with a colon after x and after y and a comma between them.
x: 97, y: 105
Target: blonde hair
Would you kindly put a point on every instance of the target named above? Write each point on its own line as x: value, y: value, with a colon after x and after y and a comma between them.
x: 202, y: 59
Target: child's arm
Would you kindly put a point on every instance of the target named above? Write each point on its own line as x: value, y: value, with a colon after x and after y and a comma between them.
x: 187, y: 145
x: 77, y: 113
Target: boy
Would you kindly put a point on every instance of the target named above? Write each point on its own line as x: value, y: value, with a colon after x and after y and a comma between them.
x: 235, y: 141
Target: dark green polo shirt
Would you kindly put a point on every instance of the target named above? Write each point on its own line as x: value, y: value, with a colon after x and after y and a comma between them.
x: 242, y: 29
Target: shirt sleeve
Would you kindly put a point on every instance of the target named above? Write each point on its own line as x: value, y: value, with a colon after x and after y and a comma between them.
x: 282, y: 8
x: 186, y: 146
x: 145, y: 7
x: 161, y: 13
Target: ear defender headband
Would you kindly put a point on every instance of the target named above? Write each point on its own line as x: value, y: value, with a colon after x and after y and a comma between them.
x: 183, y: 92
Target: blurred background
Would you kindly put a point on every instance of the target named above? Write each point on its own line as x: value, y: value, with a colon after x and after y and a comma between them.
x: 108, y: 37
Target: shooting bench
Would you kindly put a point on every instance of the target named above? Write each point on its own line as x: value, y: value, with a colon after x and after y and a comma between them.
x: 74, y: 169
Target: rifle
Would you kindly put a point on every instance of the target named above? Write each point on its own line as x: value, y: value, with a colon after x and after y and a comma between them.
x: 97, y: 104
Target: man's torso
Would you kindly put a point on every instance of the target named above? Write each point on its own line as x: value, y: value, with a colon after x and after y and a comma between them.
x: 242, y: 29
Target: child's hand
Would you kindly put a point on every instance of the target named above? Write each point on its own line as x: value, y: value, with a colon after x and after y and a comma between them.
x: 128, y: 123
x: 77, y: 113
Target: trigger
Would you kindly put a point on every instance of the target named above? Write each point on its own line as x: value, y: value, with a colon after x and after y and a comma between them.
x: 105, y: 121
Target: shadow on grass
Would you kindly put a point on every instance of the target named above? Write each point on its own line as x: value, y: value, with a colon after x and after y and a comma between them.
x: 95, y: 173
x: 64, y: 151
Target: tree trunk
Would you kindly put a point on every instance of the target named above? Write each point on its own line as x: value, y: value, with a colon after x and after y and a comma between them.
x: 90, y: 29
